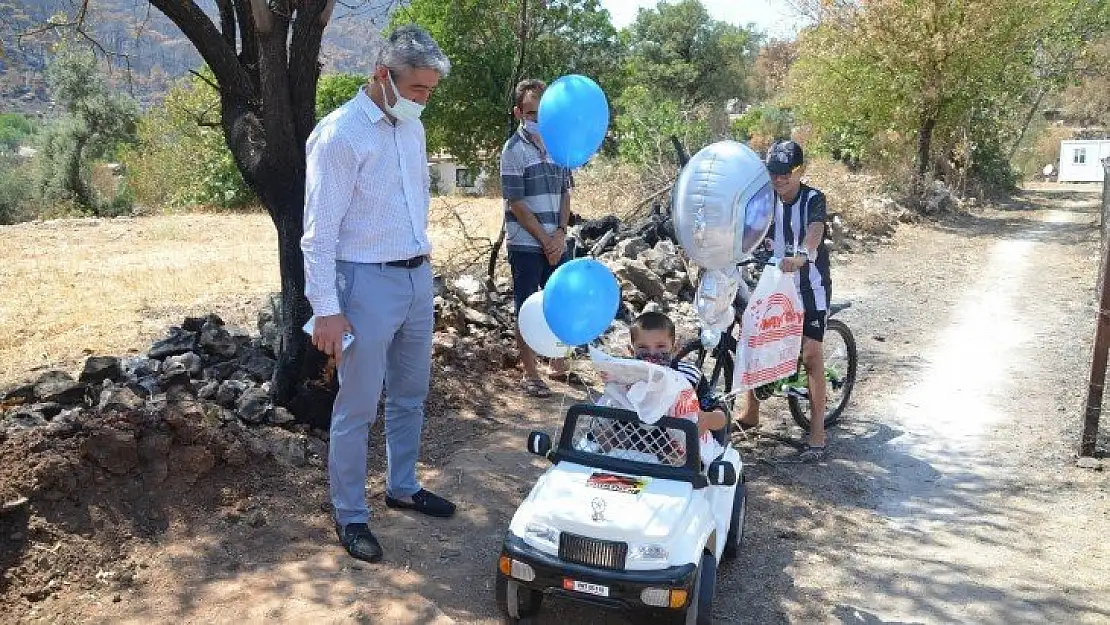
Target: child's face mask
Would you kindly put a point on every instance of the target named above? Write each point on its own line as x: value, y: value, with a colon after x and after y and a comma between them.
x: 659, y: 357
x: 654, y: 346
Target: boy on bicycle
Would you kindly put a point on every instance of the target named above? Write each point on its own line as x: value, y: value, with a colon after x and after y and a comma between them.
x: 798, y: 242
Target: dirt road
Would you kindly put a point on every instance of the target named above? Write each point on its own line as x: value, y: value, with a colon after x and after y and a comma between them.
x: 950, y: 495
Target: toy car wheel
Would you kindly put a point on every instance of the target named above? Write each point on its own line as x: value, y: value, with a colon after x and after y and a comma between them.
x: 528, y: 600
x: 700, y: 611
x: 735, y: 539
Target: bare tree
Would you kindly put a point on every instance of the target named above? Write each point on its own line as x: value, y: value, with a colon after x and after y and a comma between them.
x: 264, y: 55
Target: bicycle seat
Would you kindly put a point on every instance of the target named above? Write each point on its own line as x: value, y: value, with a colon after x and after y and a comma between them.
x: 839, y: 306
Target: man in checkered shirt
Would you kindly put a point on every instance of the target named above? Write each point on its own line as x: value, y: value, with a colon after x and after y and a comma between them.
x: 366, y: 252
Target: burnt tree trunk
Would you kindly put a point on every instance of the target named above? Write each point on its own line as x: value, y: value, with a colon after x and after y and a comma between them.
x: 924, y: 146
x: 265, y: 59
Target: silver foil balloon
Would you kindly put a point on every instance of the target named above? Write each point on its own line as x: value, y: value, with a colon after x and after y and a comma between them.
x: 722, y: 204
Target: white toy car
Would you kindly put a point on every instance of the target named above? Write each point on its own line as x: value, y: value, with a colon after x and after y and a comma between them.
x: 627, y: 517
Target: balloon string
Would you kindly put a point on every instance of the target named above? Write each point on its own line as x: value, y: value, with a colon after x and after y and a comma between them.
x: 571, y: 361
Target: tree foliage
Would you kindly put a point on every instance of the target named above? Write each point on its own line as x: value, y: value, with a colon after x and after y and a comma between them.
x: 1086, y: 100
x: 467, y: 117
x: 186, y: 122
x: 772, y: 67
x: 97, y: 122
x: 335, y: 89
x: 15, y: 129
x: 681, y: 53
x: 646, y: 123
x: 950, y: 81
x: 762, y: 125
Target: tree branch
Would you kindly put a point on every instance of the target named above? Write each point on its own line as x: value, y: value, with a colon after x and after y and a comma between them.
x: 248, y: 38
x: 304, y: 65
x: 205, y: 79
x: 200, y: 30
x: 227, y: 21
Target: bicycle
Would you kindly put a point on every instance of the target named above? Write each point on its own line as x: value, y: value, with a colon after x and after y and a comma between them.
x: 838, y: 349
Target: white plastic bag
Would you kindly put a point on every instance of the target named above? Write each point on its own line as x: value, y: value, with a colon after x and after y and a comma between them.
x: 646, y: 388
x: 771, y: 334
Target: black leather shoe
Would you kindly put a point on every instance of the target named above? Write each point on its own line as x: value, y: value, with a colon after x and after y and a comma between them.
x: 425, y: 502
x: 359, y: 541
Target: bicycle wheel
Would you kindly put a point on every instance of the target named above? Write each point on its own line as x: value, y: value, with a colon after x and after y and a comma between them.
x: 839, y: 350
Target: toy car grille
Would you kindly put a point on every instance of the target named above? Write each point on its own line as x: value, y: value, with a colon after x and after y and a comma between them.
x: 630, y: 440
x: 604, y: 554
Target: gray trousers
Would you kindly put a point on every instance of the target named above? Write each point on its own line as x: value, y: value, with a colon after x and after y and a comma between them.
x: 391, y: 313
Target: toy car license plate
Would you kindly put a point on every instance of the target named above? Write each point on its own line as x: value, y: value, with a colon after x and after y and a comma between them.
x: 586, y: 587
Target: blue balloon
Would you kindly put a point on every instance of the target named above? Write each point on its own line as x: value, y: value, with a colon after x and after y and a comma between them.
x: 573, y: 119
x: 581, y: 300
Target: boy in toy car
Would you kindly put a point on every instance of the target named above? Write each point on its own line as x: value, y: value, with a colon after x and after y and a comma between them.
x: 653, y: 339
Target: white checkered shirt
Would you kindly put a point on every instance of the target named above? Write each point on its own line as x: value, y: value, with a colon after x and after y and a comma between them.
x: 366, y: 195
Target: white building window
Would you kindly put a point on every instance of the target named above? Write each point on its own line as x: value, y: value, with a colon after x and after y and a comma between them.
x: 1079, y: 156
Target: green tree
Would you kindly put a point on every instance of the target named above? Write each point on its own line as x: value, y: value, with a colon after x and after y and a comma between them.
x: 484, y: 39
x: 646, y: 123
x: 97, y: 122
x: 17, y: 190
x: 762, y: 125
x: 955, y: 72
x: 335, y: 89
x: 186, y: 122
x: 14, y: 130
x: 681, y: 53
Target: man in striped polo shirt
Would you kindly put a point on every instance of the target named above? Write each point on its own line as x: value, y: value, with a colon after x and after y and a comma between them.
x: 537, y: 209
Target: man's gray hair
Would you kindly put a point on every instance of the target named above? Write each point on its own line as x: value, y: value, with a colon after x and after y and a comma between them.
x: 411, y: 47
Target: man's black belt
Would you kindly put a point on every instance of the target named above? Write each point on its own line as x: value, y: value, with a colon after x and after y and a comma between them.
x: 410, y: 263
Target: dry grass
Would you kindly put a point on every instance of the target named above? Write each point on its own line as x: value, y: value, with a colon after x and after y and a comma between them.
x: 78, y: 287
x: 848, y: 193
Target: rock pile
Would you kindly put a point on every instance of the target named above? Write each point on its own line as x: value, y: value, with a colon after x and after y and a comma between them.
x: 203, y: 376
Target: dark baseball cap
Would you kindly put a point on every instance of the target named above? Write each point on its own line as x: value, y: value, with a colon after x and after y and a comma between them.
x: 784, y: 157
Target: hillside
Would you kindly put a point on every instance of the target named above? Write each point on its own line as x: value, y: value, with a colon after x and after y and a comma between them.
x: 149, y: 50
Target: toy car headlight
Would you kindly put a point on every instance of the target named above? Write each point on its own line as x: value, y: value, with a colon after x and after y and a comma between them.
x: 542, y: 533
x: 649, y: 552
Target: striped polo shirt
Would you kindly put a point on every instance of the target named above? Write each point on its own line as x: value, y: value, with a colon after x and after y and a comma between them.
x: 528, y: 175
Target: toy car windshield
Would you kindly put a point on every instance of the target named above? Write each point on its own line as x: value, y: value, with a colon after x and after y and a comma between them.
x: 617, y: 440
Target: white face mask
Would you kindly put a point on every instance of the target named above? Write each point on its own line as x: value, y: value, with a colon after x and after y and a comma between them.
x: 403, y: 108
x: 532, y: 128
